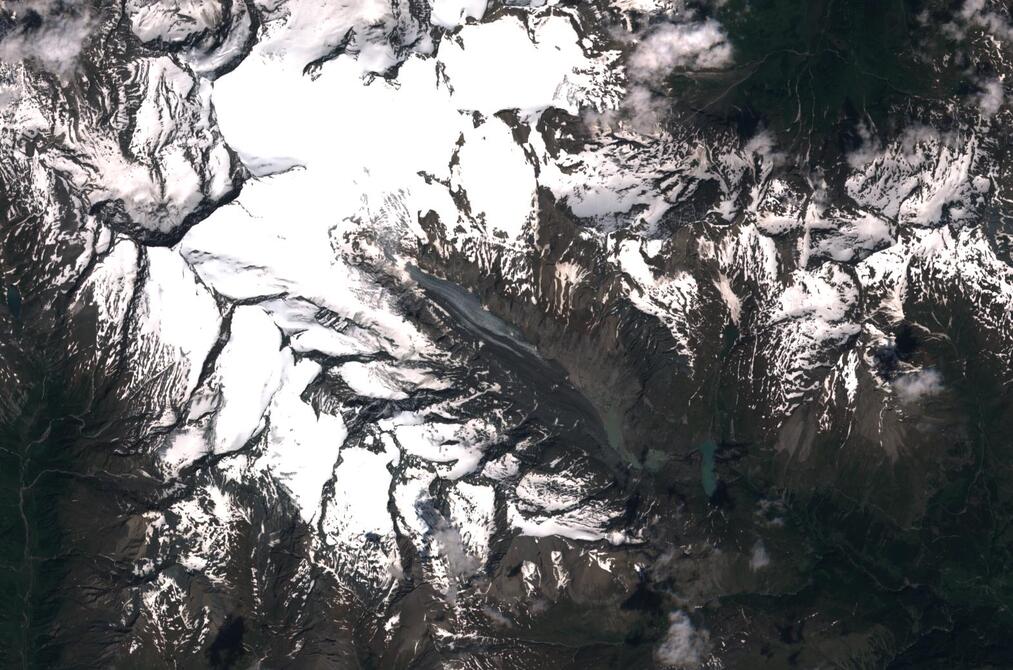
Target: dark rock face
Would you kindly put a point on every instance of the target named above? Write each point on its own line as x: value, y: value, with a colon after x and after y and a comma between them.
x: 410, y: 335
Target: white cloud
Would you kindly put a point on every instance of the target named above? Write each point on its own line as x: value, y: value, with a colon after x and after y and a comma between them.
x: 9, y: 96
x: 702, y: 45
x: 975, y: 12
x: 641, y: 111
x: 644, y: 110
x: 916, y: 385
x: 844, y: 237
x: 49, y: 33
x: 991, y: 98
x: 698, y: 45
x: 451, y: 547
x: 759, y: 558
x: 683, y: 647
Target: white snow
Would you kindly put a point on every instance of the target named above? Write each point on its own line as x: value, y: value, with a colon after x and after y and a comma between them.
x: 373, y: 380
x: 534, y: 76
x: 302, y: 445
x: 247, y: 389
x: 672, y: 298
x: 359, y: 505
x: 473, y: 514
x: 173, y: 21
x: 917, y: 177
x: 550, y: 492
x: 459, y: 446
x: 178, y: 319
x: 497, y: 177
x: 504, y: 467
x: 724, y: 287
x: 454, y: 13
x: 588, y: 523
